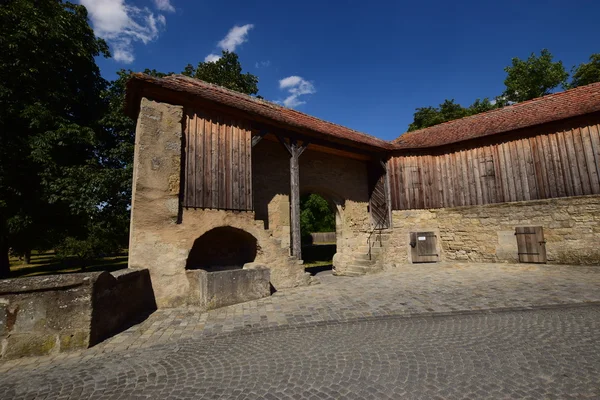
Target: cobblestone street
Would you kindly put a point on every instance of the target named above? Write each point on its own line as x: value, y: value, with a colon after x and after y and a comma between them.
x: 526, y: 355
x: 348, y: 337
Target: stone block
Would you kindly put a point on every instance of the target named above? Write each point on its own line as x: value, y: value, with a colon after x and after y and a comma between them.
x: 74, y: 340
x: 47, y: 314
x: 29, y: 345
x: 224, y: 288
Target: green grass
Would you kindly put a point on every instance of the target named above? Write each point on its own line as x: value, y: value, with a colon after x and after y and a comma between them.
x: 46, y: 263
x: 316, y: 264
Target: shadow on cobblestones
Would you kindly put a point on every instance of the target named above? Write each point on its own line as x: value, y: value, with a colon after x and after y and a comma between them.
x: 529, y: 354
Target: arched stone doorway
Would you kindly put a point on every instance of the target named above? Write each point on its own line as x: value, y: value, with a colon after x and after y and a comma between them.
x: 320, y: 246
x: 221, y: 249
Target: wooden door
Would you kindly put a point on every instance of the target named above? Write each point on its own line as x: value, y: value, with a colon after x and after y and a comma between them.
x: 423, y: 247
x: 531, y: 244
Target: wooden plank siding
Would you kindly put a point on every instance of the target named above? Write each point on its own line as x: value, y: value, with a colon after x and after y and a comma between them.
x: 218, y: 162
x: 562, y: 163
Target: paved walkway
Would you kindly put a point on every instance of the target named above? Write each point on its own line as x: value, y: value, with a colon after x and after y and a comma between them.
x: 414, y: 289
x: 539, y: 354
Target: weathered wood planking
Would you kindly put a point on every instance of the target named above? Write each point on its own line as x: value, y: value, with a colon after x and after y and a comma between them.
x: 558, y: 164
x: 218, y: 162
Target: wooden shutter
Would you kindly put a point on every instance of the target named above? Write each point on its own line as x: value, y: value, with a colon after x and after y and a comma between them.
x: 218, y: 162
x: 423, y: 247
x: 531, y: 244
x: 378, y: 202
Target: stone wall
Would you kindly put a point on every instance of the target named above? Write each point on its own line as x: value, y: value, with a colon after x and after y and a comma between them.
x: 487, y: 233
x: 162, y: 233
x: 59, y: 313
x: 341, y: 181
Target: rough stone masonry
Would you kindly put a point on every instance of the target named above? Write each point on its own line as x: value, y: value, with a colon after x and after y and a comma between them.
x: 347, y: 167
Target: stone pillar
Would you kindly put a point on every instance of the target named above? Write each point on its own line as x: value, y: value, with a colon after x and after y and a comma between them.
x: 155, y: 200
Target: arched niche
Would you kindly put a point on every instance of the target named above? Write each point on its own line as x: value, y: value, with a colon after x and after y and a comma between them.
x: 221, y: 249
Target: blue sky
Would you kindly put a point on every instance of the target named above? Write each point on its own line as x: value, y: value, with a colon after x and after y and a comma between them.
x: 365, y: 65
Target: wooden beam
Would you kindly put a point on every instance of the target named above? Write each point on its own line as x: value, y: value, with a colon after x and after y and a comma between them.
x: 285, y: 144
x: 303, y: 147
x: 295, y: 151
x: 257, y: 138
x: 383, y: 164
x: 283, y: 133
x: 295, y: 198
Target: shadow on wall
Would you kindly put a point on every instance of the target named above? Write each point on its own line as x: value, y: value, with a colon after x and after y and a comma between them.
x: 221, y: 249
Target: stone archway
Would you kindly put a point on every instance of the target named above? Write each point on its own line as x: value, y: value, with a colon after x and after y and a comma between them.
x: 336, y: 205
x: 222, y: 248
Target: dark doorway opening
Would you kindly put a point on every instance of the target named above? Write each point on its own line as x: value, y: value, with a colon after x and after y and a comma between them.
x: 318, y: 229
x: 221, y: 249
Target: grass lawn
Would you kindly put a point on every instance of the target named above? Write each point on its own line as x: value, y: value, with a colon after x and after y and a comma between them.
x: 46, y: 263
x: 315, y: 264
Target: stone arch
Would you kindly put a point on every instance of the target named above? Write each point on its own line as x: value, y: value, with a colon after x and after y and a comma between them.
x: 222, y: 248
x: 337, y: 205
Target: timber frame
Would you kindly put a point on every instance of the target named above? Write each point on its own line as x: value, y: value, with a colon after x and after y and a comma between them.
x: 544, y: 148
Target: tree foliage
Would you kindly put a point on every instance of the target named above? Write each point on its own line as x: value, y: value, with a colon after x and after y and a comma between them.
x: 534, y: 77
x: 66, y: 146
x: 525, y: 80
x: 315, y: 215
x: 425, y: 117
x: 587, y: 73
x: 226, y: 72
x: 50, y: 102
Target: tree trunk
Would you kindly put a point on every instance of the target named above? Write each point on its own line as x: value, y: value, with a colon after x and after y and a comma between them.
x: 27, y: 257
x: 4, y: 262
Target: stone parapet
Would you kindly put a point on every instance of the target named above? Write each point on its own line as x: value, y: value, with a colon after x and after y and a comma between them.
x: 59, y: 313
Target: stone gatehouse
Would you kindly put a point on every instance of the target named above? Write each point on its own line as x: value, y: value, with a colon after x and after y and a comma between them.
x: 218, y: 175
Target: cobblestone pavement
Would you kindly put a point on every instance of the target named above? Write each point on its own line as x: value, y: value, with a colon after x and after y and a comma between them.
x: 503, y: 355
x: 413, y: 289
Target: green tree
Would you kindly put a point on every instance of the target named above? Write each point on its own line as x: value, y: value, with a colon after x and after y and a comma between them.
x: 226, y: 72
x: 587, y: 73
x: 534, y: 77
x: 484, y: 105
x: 425, y: 117
x: 315, y: 215
x: 50, y: 102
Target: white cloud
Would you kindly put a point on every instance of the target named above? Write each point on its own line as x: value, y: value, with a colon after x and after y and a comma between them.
x: 122, y: 24
x: 236, y: 36
x: 296, y: 87
x: 262, y: 64
x: 164, y: 5
x: 212, y: 58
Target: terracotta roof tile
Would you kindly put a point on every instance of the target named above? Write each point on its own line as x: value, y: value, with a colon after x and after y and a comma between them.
x: 293, y: 118
x: 554, y: 107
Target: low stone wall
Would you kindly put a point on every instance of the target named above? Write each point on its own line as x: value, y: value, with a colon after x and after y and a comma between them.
x: 212, y: 290
x: 58, y: 313
x: 487, y: 233
x: 119, y: 300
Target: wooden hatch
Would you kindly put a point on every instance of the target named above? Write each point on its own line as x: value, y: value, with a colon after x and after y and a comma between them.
x: 531, y: 244
x: 423, y: 247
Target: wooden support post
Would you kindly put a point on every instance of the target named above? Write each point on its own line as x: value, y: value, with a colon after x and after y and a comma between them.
x: 295, y: 151
x: 295, y: 199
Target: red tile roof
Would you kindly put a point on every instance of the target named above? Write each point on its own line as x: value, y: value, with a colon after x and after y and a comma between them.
x: 240, y: 101
x: 554, y: 107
